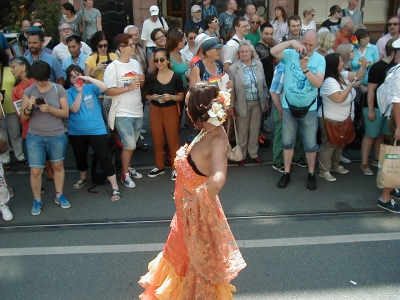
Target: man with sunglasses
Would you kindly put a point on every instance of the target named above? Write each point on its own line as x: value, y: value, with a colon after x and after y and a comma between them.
x: 196, y: 18
x: 333, y: 22
x: 391, y: 32
x: 254, y: 34
x: 61, y: 51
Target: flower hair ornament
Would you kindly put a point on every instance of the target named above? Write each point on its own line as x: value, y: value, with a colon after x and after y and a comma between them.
x: 354, y: 42
x: 217, y: 113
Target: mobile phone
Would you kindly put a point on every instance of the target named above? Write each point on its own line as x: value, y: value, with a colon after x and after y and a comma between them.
x: 79, y: 81
x: 159, y: 99
x: 107, y: 62
x: 40, y: 101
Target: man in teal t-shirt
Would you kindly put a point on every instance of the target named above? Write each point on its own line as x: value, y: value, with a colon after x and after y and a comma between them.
x: 303, y: 76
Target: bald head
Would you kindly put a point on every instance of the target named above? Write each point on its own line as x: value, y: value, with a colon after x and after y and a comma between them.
x: 309, y: 40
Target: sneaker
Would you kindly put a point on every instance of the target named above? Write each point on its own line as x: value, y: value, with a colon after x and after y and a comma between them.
x: 345, y: 160
x: 375, y: 163
x: 141, y: 137
x: 327, y: 176
x: 311, y: 182
x: 64, y: 203
x: 127, y: 181
x: 366, y: 170
x: 283, y: 182
x: 134, y: 174
x: 37, y: 207
x: 5, y: 211
x: 395, y: 193
x: 300, y: 162
x: 80, y: 183
x: 173, y: 175
x: 265, y: 128
x: 143, y: 131
x: 389, y: 206
x: 155, y: 172
x: 340, y: 170
x: 279, y: 167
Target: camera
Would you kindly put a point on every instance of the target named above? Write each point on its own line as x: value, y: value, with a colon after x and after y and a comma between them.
x: 40, y: 101
x: 302, y: 54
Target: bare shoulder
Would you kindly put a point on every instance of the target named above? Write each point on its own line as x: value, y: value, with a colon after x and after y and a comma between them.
x: 219, y: 142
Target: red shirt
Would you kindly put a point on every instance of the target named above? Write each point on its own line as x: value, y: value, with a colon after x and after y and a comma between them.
x: 16, y: 95
x: 341, y: 38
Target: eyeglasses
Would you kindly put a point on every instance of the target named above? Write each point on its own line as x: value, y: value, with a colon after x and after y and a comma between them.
x: 65, y: 29
x: 214, y: 21
x: 102, y: 46
x: 162, y: 59
x: 254, y: 22
x: 392, y: 24
x: 160, y: 37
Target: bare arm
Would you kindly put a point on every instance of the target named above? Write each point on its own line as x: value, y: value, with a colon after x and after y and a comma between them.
x: 340, y: 97
x: 60, y: 81
x: 152, y: 65
x: 98, y: 23
x: 27, y: 107
x: 218, y: 166
x: 277, y: 50
x: 100, y: 84
x: 124, y: 89
x: 9, y: 54
x: 76, y: 105
x: 370, y: 100
x: 194, y: 76
x: 226, y: 66
x: 144, y: 43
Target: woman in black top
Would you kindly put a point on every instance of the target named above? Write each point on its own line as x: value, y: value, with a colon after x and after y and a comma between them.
x: 164, y: 89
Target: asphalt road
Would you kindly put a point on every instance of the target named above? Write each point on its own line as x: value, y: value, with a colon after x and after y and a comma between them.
x: 332, y: 243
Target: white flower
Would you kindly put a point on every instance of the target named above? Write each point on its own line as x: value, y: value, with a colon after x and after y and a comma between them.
x: 217, y: 114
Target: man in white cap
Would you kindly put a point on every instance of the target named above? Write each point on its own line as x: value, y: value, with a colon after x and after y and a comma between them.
x: 149, y: 25
x: 196, y: 18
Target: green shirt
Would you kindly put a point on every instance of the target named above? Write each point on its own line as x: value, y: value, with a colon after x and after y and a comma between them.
x: 254, y: 38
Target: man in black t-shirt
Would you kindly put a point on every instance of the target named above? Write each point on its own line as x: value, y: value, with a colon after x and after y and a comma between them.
x: 376, y: 126
x: 23, y: 36
x: 263, y: 48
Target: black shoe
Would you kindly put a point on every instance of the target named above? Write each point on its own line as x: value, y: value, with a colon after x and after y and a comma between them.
x: 395, y: 193
x: 283, y: 182
x: 311, y: 182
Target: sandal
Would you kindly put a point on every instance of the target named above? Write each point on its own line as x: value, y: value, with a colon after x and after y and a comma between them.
x: 141, y: 147
x: 24, y: 162
x: 6, y: 166
x: 116, y: 195
x: 80, y: 183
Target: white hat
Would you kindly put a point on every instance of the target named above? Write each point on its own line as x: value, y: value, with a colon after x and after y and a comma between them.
x: 199, y: 40
x: 396, y: 44
x: 154, y: 10
x: 195, y: 8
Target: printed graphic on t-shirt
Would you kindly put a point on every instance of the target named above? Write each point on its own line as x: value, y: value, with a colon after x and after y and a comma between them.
x: 129, y: 77
x: 88, y: 101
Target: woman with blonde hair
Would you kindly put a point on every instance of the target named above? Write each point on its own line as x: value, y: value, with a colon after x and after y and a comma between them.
x: 308, y: 21
x: 250, y: 98
x: 325, y: 42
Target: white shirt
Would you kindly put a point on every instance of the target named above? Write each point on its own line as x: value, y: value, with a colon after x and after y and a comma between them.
x: 61, y: 51
x: 230, y: 49
x: 187, y: 57
x: 333, y: 110
x: 114, y: 76
x: 148, y: 27
x: 304, y: 28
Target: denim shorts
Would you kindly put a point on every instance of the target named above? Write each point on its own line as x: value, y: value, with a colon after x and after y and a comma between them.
x: 129, y: 129
x: 38, y: 146
x: 308, y: 128
x: 379, y: 126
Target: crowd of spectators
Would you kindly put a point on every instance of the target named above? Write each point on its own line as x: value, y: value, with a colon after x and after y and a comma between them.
x: 287, y: 67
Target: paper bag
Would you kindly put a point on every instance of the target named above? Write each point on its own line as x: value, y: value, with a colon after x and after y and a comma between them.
x: 389, y: 167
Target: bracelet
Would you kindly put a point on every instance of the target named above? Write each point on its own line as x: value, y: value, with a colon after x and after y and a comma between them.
x: 306, y: 71
x: 172, y: 97
x: 28, y: 109
x: 30, y: 112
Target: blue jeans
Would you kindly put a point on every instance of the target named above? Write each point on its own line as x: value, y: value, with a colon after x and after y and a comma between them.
x: 37, y: 146
x: 129, y: 130
x: 308, y: 127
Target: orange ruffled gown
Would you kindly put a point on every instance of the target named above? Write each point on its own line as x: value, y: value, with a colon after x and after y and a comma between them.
x: 200, y: 257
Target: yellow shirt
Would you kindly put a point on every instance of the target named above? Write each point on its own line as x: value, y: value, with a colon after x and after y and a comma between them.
x: 8, y: 85
x: 91, y: 62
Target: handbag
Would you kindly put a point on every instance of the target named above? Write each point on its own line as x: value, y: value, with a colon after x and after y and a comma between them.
x: 339, y: 133
x: 235, y: 153
x: 389, y: 166
x: 299, y: 111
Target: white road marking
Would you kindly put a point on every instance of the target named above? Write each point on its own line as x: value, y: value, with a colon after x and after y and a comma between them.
x: 264, y: 243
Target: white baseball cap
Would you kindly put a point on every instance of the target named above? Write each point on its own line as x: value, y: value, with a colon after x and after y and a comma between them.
x: 396, y: 44
x: 199, y: 40
x: 195, y: 8
x: 154, y: 10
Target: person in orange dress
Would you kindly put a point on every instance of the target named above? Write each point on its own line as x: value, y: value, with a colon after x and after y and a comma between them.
x: 200, y: 257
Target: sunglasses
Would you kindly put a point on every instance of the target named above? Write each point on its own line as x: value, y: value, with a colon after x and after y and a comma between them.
x: 392, y: 24
x: 102, y: 46
x: 254, y: 22
x: 214, y: 21
x: 162, y: 59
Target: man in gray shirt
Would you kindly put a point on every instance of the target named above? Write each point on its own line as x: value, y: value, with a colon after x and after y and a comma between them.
x: 226, y: 18
x: 352, y: 12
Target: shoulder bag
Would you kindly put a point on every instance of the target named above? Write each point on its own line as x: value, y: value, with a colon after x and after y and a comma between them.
x: 235, y: 153
x: 339, y: 133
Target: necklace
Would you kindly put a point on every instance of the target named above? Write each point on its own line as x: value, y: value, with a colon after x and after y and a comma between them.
x: 200, y: 136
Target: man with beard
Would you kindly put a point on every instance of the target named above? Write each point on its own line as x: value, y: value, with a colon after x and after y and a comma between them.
x: 392, y: 30
x: 35, y: 45
x: 294, y: 23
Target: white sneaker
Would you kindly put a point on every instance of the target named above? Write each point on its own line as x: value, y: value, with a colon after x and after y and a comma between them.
x: 345, y: 160
x: 127, y: 181
x: 5, y: 211
x: 327, y: 176
x: 141, y: 137
x: 143, y: 131
x: 173, y: 175
x: 340, y: 170
x: 366, y: 170
x: 134, y: 174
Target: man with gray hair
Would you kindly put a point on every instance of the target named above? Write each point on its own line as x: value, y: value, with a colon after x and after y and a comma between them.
x: 140, y: 53
x: 352, y: 12
x: 344, y: 34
